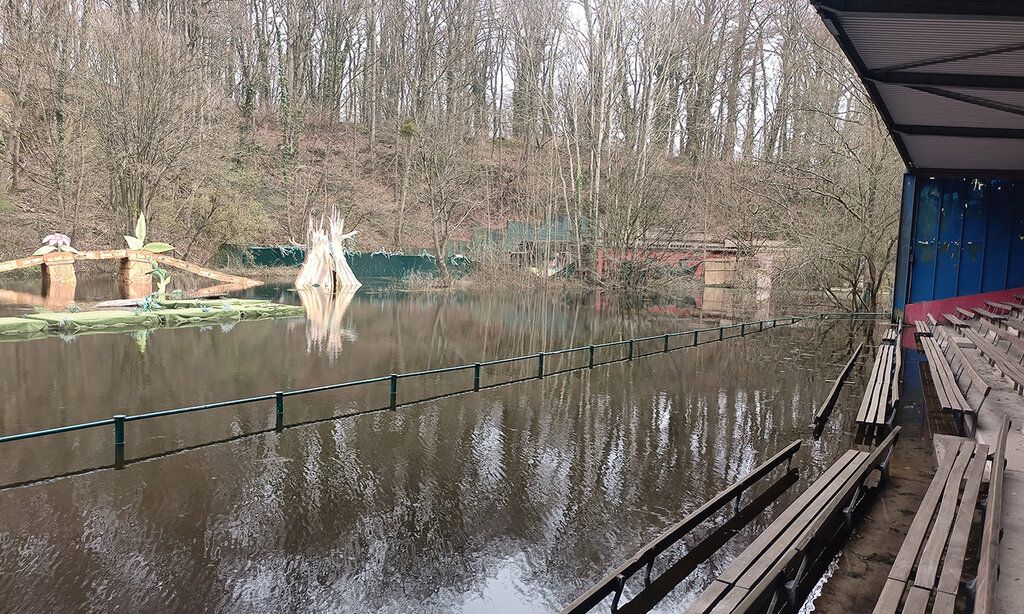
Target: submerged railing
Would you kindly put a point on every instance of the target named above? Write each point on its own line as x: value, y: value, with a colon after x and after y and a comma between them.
x: 694, y: 336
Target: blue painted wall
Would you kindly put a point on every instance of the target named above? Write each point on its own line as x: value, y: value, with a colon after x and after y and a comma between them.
x: 965, y: 236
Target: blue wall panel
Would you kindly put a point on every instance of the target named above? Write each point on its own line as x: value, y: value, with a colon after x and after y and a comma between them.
x: 967, y: 237
x: 972, y: 247
x: 951, y: 232
x: 926, y: 235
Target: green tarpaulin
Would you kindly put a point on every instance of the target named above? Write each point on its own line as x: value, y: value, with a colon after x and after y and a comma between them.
x: 20, y: 326
x: 194, y: 315
x: 97, y: 320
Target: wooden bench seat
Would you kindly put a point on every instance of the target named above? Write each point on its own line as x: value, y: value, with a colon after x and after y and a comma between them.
x: 932, y: 321
x: 874, y: 407
x: 952, y: 351
x: 991, y: 534
x: 955, y: 321
x: 950, y: 397
x: 799, y: 540
x: 988, y: 315
x: 1008, y: 367
x: 1007, y: 307
x: 921, y: 329
x: 931, y: 560
x: 970, y: 315
x: 1015, y: 326
x: 1002, y: 335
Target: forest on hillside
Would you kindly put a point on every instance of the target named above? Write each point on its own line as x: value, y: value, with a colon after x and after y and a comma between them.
x: 233, y: 121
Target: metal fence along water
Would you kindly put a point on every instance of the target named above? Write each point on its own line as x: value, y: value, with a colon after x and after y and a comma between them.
x: 629, y: 349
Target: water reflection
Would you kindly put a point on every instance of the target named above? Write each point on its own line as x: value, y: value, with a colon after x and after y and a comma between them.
x: 325, y: 314
x: 511, y: 500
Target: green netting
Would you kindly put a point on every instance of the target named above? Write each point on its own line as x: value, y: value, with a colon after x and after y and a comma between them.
x: 194, y: 315
x: 20, y: 326
x: 97, y: 320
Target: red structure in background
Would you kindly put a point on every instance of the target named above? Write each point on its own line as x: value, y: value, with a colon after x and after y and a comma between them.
x: 690, y: 252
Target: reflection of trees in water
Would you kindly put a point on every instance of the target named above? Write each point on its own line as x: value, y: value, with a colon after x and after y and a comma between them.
x: 325, y: 312
x: 553, y: 481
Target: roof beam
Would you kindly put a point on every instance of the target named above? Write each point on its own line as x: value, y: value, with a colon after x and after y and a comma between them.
x: 975, y: 9
x: 909, y: 78
x: 960, y: 132
x: 975, y: 100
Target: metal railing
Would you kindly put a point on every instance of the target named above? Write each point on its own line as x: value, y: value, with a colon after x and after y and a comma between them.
x: 118, y: 421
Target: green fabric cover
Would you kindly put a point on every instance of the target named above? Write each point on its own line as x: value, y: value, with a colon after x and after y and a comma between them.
x: 209, y: 302
x: 271, y: 310
x: 18, y: 326
x: 97, y: 320
x: 184, y: 316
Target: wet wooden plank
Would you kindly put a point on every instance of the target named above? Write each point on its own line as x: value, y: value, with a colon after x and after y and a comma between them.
x: 907, y: 556
x: 988, y: 566
x: 892, y: 594
x: 788, y: 519
x: 917, y: 601
x: 942, y: 525
x: 826, y: 493
x: 953, y: 564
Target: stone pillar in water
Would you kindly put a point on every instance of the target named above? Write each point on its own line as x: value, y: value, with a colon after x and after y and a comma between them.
x: 59, y: 278
x: 134, y: 279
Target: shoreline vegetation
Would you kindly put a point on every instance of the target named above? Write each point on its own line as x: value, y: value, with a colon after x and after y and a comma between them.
x: 430, y: 126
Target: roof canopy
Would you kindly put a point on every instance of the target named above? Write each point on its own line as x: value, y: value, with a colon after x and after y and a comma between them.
x: 947, y: 77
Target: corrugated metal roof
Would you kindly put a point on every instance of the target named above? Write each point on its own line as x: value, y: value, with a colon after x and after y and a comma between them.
x: 951, y: 153
x: 948, y: 77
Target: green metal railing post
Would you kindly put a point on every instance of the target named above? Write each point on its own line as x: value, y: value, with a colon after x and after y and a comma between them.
x: 590, y: 364
x: 394, y: 390
x: 476, y: 377
x: 760, y: 326
x: 743, y: 329
x: 694, y: 338
x: 666, y: 344
x: 630, y: 356
x: 721, y: 333
x: 540, y: 365
x: 119, y: 440
x: 279, y: 414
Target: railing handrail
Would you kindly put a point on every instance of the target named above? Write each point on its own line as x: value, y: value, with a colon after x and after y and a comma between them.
x: 119, y: 419
x: 613, y: 582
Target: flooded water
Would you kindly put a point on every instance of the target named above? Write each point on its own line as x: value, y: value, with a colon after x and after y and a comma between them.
x: 513, y: 499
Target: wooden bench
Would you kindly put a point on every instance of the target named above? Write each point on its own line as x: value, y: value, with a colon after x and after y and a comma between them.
x: 825, y: 410
x: 931, y: 560
x: 944, y: 380
x: 999, y: 335
x: 1007, y: 307
x: 946, y: 377
x: 780, y: 567
x: 991, y: 534
x: 970, y: 315
x: 988, y: 315
x: 643, y: 561
x: 874, y: 407
x: 922, y: 329
x: 955, y: 321
x: 998, y: 358
x: 930, y: 563
x: 1015, y: 326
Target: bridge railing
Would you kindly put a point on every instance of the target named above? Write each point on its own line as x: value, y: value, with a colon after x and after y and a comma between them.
x: 630, y: 349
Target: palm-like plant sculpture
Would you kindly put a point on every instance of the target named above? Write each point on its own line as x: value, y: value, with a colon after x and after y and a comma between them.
x: 138, y: 242
x: 162, y: 277
x: 56, y: 242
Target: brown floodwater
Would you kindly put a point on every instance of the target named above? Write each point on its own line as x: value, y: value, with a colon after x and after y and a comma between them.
x: 513, y: 499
